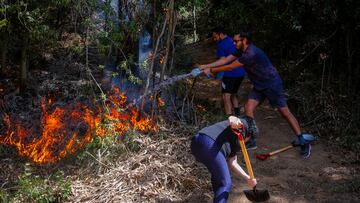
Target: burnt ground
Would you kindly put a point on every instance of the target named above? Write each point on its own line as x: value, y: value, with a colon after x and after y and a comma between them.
x: 329, y: 175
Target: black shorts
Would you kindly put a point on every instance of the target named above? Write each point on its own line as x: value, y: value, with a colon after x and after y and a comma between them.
x: 231, y: 85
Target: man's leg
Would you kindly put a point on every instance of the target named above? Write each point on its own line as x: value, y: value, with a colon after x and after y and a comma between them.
x: 236, y: 82
x: 235, y: 104
x: 230, y: 87
x: 227, y: 103
x: 276, y: 97
x: 255, y: 97
x: 207, y: 152
x: 250, y: 106
x: 305, y: 147
x: 290, y: 118
x: 220, y: 178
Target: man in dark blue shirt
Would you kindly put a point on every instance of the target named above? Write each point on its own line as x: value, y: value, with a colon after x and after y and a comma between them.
x: 266, y: 81
x: 231, y: 80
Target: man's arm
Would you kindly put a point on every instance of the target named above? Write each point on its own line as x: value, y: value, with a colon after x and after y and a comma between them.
x: 234, y: 166
x: 220, y: 62
x: 229, y: 67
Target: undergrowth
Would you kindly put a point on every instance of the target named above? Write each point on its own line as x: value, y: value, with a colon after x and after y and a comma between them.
x: 331, y: 113
x: 33, y: 187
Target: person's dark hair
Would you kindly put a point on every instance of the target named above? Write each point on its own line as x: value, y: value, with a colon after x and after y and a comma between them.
x: 218, y: 29
x: 244, y: 33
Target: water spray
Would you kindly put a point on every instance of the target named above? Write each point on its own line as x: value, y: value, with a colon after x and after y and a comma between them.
x: 170, y: 81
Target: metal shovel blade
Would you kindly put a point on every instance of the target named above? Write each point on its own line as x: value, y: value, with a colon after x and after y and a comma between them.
x: 256, y: 195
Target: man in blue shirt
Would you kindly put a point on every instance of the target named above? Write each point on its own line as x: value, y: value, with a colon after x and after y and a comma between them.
x: 231, y: 80
x: 266, y: 81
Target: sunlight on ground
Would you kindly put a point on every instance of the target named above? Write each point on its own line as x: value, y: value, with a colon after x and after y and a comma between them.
x: 339, y: 173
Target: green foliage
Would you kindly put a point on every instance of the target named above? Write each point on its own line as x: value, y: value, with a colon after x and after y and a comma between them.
x: 187, y: 5
x: 129, y: 140
x: 4, y: 196
x: 125, y: 65
x: 77, y: 49
x: 34, y: 188
x: 3, y: 23
x: 30, y: 18
x: 112, y: 143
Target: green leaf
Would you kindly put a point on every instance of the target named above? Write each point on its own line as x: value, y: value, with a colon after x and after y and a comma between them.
x: 3, y: 23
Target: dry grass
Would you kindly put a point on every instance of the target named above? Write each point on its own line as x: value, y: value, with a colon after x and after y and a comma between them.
x: 162, y: 171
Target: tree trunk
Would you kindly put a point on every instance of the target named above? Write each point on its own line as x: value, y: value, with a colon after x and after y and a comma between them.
x: 330, y: 71
x: 23, y: 65
x: 152, y: 64
x: 194, y: 24
x: 173, y: 41
x: 168, y: 40
x: 349, y: 53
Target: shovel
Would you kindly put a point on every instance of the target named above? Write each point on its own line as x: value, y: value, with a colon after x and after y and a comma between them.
x: 263, y: 157
x: 254, y: 195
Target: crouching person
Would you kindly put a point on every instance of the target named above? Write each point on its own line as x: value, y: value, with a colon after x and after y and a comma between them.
x: 216, y: 146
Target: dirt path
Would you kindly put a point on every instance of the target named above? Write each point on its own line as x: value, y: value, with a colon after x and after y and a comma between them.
x: 324, y: 177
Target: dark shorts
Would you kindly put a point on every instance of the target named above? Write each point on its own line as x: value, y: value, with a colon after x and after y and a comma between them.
x: 275, y: 94
x: 231, y: 85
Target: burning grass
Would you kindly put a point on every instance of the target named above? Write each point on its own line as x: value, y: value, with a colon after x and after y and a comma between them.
x: 66, y: 128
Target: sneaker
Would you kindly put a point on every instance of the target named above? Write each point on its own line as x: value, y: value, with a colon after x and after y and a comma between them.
x: 304, y: 138
x: 305, y: 151
x: 251, y: 145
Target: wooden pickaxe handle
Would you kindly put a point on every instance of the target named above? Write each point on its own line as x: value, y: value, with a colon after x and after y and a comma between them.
x: 281, y: 150
x: 265, y: 156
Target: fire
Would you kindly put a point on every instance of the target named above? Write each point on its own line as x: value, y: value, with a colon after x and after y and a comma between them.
x: 65, y: 130
x: 160, y: 101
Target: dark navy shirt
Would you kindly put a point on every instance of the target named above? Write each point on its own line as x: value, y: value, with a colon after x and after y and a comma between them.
x: 226, y: 47
x: 260, y: 70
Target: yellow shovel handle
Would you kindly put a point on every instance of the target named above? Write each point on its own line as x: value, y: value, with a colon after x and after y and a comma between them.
x: 246, y: 157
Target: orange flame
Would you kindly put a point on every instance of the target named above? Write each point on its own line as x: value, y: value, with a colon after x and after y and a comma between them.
x: 66, y: 130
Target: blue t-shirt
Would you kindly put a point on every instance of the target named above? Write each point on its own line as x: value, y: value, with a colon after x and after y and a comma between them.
x: 225, y: 48
x: 260, y: 70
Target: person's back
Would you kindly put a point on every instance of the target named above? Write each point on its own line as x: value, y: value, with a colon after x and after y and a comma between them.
x: 260, y: 70
x: 226, y: 47
x: 224, y: 137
